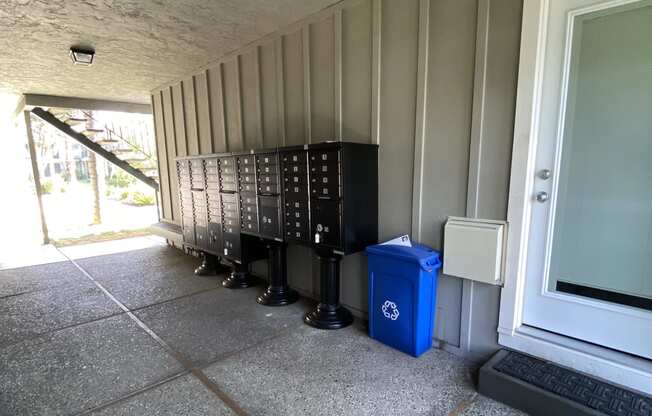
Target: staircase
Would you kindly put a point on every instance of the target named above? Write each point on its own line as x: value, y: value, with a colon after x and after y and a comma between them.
x: 127, y: 151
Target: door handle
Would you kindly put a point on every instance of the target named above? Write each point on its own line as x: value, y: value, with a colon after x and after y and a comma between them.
x: 542, y: 197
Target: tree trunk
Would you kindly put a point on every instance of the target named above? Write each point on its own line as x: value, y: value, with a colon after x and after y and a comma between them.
x: 92, y: 173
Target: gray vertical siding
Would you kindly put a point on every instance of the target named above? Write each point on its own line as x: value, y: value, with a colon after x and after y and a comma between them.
x: 431, y: 81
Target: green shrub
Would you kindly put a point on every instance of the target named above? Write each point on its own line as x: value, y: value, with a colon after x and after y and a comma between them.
x: 47, y: 187
x: 124, y: 195
x: 121, y: 179
x: 142, y: 199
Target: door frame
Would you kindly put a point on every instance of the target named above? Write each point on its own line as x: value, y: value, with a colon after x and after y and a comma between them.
x: 616, y: 367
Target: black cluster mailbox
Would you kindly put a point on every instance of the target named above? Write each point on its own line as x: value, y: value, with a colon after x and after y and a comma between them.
x: 243, y: 206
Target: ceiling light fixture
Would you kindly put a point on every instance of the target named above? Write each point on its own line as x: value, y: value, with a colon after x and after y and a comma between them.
x: 81, y: 56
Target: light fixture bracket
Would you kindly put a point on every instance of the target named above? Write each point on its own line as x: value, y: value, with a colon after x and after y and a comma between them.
x: 82, y: 56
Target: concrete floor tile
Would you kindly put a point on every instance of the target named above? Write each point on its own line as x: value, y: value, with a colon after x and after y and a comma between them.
x: 314, y: 372
x: 45, y: 276
x: 143, y: 277
x: 182, y: 396
x: 222, y: 321
x: 79, y: 368
x: 484, y: 406
x: 36, y: 313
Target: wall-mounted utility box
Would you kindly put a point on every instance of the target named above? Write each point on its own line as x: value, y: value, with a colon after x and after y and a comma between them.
x: 474, y: 249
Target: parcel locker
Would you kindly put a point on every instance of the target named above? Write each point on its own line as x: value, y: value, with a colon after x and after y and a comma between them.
x: 270, y: 215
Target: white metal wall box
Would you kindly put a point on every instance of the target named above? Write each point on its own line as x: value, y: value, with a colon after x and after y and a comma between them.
x: 474, y: 248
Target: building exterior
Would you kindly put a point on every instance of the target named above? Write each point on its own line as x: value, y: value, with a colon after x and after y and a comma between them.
x: 531, y: 113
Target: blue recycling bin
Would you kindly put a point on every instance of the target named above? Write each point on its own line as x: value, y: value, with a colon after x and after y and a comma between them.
x: 402, y: 294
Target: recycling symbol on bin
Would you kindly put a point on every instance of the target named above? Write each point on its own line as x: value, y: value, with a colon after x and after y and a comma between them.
x: 390, y: 310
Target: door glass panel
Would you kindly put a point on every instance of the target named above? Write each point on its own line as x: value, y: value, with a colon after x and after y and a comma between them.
x: 602, y: 244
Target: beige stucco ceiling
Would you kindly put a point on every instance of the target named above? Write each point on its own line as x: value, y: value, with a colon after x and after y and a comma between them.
x: 140, y: 44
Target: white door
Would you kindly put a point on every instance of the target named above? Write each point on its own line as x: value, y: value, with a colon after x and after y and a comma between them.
x: 589, y: 264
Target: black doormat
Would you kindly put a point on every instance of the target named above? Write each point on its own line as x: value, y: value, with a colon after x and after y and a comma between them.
x: 595, y: 394
x: 601, y: 294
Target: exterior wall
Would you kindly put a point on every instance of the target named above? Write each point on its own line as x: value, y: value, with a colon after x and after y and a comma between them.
x: 431, y: 81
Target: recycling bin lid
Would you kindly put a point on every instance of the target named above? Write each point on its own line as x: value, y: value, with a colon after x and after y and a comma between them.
x: 426, y: 257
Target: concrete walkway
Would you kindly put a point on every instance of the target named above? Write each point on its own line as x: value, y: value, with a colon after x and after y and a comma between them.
x: 136, y: 333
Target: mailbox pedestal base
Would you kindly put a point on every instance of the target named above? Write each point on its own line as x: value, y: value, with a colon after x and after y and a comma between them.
x: 210, y: 266
x: 329, y: 314
x: 278, y: 292
x: 239, y: 278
